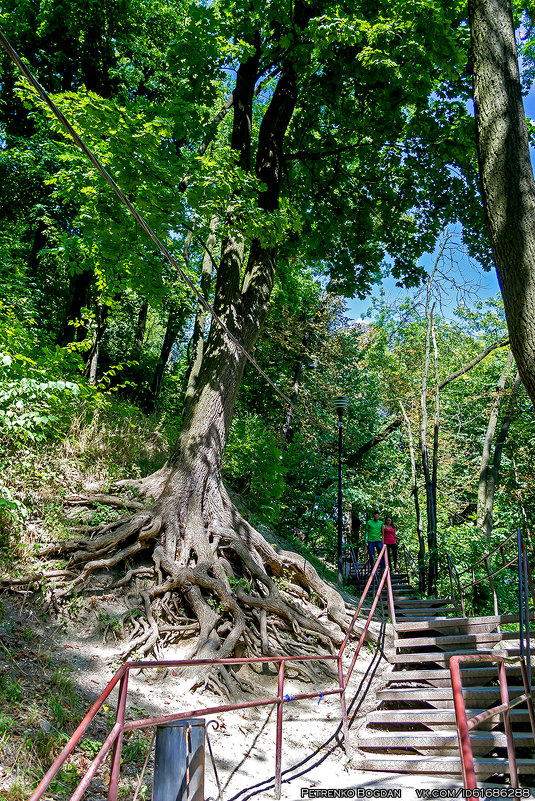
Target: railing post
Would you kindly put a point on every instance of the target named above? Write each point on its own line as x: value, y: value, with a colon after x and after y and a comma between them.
x: 345, y: 724
x: 520, y: 593
x: 529, y: 700
x: 117, y: 746
x: 493, y: 589
x: 278, y: 736
x: 504, y: 693
x: 389, y: 588
x: 526, y: 608
x: 463, y: 732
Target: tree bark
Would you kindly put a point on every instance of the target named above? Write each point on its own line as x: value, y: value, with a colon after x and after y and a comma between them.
x: 199, y: 327
x: 507, y: 183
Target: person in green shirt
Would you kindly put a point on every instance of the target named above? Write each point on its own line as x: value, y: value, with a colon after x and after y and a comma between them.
x: 373, y: 536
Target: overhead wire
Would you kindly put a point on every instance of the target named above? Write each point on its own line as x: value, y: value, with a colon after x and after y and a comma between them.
x: 13, y: 55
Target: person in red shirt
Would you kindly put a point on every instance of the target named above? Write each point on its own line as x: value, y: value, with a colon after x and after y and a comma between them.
x: 388, y: 532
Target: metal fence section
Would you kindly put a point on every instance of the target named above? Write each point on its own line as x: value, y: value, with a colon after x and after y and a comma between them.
x: 114, y: 740
x: 465, y: 725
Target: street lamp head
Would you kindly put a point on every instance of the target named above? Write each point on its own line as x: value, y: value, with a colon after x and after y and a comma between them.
x: 340, y: 403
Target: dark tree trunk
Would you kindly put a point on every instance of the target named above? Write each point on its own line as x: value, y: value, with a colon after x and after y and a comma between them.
x: 174, y: 324
x: 79, y: 287
x: 139, y: 334
x: 39, y: 242
x: 506, y: 174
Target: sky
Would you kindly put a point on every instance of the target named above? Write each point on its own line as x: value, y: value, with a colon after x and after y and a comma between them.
x: 478, y: 284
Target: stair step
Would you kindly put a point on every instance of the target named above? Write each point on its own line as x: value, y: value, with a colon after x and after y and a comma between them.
x: 439, y: 739
x: 456, y: 639
x: 443, y: 693
x: 401, y: 763
x: 458, y: 621
x: 425, y: 614
x: 440, y: 657
x: 418, y: 602
x: 431, y: 717
x: 444, y: 673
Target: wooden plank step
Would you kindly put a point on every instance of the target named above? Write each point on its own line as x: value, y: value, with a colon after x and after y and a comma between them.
x: 402, y: 763
x: 458, y: 621
x: 431, y: 717
x: 431, y: 694
x: 424, y: 614
x: 418, y: 602
x: 456, y: 639
x: 444, y: 673
x: 439, y: 739
x: 440, y: 657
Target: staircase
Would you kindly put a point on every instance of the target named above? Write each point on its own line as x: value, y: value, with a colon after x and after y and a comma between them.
x: 413, y: 729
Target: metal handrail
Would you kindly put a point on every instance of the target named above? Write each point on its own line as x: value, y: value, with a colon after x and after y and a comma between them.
x: 455, y: 582
x: 465, y: 725
x: 410, y: 561
x: 488, y: 555
x: 115, y: 736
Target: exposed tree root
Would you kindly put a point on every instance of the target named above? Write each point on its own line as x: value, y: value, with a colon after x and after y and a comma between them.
x: 204, y: 575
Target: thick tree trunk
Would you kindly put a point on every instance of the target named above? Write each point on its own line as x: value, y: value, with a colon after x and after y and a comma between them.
x: 508, y: 186
x: 197, y: 337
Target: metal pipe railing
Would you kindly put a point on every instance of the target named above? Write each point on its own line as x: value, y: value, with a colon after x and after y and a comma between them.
x: 465, y: 724
x: 114, y: 739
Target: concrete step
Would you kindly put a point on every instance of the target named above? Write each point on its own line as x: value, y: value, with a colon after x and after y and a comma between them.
x: 456, y: 639
x: 401, y: 763
x: 417, y: 625
x: 431, y: 694
x: 432, y: 717
x: 440, y: 657
x: 426, y: 739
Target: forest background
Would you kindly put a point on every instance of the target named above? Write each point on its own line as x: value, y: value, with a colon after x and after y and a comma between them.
x: 99, y: 335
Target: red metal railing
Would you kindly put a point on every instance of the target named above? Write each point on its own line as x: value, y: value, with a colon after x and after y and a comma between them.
x: 115, y: 737
x: 465, y: 725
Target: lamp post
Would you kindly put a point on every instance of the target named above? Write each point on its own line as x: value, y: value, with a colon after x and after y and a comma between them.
x: 340, y: 404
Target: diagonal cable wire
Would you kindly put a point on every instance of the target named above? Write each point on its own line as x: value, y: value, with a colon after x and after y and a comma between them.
x: 132, y: 209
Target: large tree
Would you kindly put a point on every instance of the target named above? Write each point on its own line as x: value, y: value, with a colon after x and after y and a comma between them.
x: 506, y: 173
x: 330, y: 157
